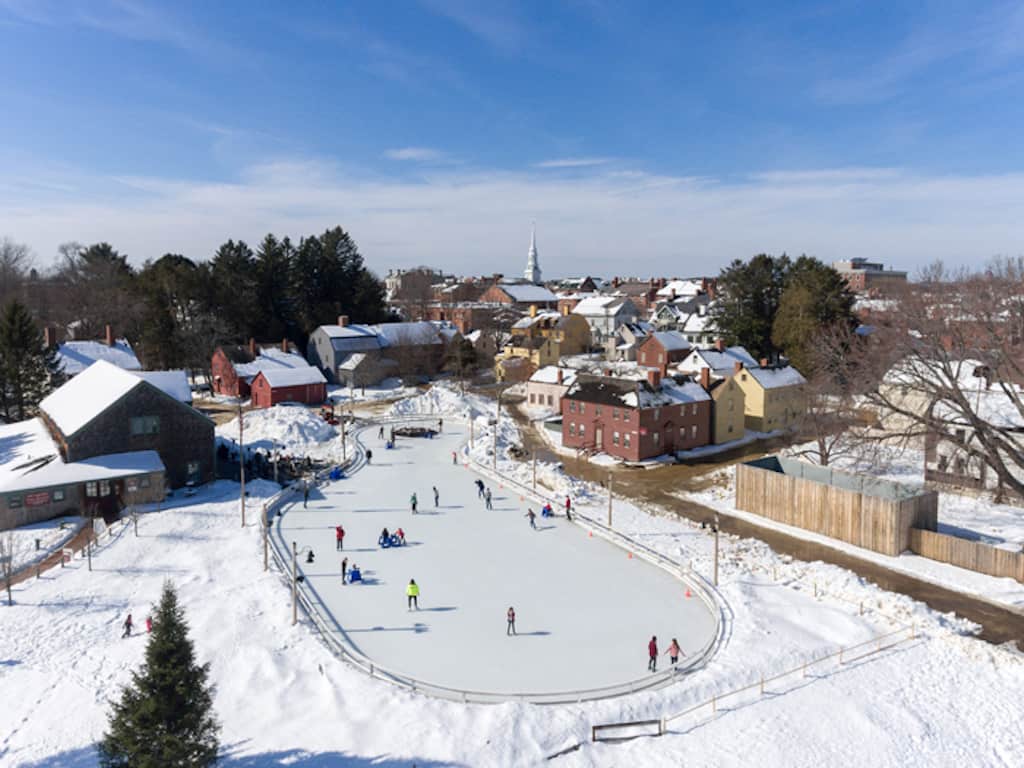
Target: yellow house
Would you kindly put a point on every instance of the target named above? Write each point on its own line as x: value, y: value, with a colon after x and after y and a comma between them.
x: 542, y: 338
x: 728, y: 417
x: 524, y: 355
x: 773, y: 397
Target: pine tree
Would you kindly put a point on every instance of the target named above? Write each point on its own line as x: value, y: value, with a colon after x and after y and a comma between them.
x: 164, y: 718
x: 28, y: 369
x: 748, y: 296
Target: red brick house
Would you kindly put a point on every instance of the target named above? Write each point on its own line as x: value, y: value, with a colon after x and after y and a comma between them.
x: 298, y: 385
x: 233, y: 368
x: 635, y: 420
x: 662, y: 350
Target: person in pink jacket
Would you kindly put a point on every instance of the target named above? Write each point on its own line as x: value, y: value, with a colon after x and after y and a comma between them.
x: 674, y: 651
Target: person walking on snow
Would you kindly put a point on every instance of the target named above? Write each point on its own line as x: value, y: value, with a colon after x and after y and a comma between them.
x: 652, y: 652
x: 511, y: 617
x: 674, y: 651
x: 412, y: 503
x: 455, y: 458
x: 533, y: 518
x: 339, y: 538
x: 568, y: 508
x: 437, y: 503
x: 127, y: 627
x: 487, y: 499
x: 412, y: 593
x: 344, y: 567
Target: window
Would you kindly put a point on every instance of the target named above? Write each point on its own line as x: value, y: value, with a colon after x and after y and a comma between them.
x: 743, y: 377
x: 583, y: 407
x: 572, y: 430
x: 145, y: 425
x: 625, y: 415
x: 14, y: 502
x: 657, y: 439
x: 144, y: 482
x: 92, y: 490
x: 572, y: 406
x: 550, y: 401
x: 104, y: 487
x: 693, y: 432
x: 58, y: 495
x: 693, y: 409
x: 626, y: 440
x: 730, y: 427
x: 615, y: 438
x: 597, y: 410
x: 643, y: 355
x: 583, y: 430
x: 531, y: 398
x: 657, y: 413
x: 132, y: 484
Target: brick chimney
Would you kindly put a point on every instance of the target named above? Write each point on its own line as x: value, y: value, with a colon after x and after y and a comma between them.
x: 565, y: 309
x: 737, y: 367
x: 342, y: 320
x: 763, y: 362
x: 661, y: 282
x: 720, y: 345
x: 558, y: 376
x: 252, y: 347
x: 607, y: 371
x: 705, y: 378
x: 654, y: 378
x: 533, y: 310
x: 109, y: 337
x: 49, y: 337
x: 284, y: 345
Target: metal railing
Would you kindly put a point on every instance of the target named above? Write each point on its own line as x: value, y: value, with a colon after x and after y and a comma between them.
x: 336, y: 639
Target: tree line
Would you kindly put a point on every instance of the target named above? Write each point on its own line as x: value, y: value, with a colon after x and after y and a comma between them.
x: 176, y: 310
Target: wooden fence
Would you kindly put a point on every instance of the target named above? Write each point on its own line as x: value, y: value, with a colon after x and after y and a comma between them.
x: 880, y: 522
x: 964, y: 553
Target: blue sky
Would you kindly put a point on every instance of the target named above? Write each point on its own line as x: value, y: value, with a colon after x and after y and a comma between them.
x: 642, y: 137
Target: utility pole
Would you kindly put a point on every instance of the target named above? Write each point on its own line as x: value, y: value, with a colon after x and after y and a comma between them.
x: 89, y: 536
x: 535, y: 469
x: 295, y: 595
x: 344, y: 450
x: 471, y: 429
x: 241, y: 460
x: 716, y: 550
x: 609, y: 499
x: 266, y: 525
x: 497, y: 418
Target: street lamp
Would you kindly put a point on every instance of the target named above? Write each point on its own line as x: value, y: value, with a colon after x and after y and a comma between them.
x: 295, y: 580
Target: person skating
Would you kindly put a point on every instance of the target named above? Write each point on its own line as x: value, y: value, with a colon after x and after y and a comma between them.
x: 455, y: 458
x: 305, y: 494
x: 369, y: 456
x: 385, y: 538
x: 479, y: 488
x: 339, y: 538
x: 674, y: 651
x: 533, y: 518
x: 440, y: 425
x: 568, y: 508
x: 412, y: 594
x: 380, y: 432
x: 309, y: 556
x: 412, y: 503
x: 401, y: 536
x: 652, y: 652
x: 511, y: 617
x: 487, y: 499
x: 127, y: 627
x: 344, y: 568
x: 392, y: 436
x: 437, y: 497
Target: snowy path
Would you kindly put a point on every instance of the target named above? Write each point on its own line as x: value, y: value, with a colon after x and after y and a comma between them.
x: 585, y: 611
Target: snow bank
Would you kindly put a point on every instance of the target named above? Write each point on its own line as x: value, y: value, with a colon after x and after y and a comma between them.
x: 52, y: 535
x: 295, y: 430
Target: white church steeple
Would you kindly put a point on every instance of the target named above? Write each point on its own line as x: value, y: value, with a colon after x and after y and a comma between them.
x: 532, y: 272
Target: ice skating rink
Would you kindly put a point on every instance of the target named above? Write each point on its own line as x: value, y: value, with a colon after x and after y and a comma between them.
x: 585, y: 611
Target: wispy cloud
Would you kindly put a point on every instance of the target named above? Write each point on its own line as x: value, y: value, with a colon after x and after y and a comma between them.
x: 415, y: 154
x: 573, y: 162
x: 496, y: 28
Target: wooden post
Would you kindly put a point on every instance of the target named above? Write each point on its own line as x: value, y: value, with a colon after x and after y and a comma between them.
x: 716, y: 550
x: 344, y: 449
x: 241, y: 460
x: 535, y: 470
x: 609, y: 499
x: 295, y: 596
x: 88, y: 540
x: 266, y: 525
x: 497, y: 420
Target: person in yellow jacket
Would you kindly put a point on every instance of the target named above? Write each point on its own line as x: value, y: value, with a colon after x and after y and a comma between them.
x: 412, y: 593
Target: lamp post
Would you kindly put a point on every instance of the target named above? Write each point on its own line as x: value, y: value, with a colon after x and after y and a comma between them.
x: 715, y: 529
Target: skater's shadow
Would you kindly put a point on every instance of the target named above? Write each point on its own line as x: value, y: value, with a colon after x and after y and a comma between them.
x: 425, y: 512
x: 538, y: 633
x: 440, y: 609
x: 381, y: 509
x: 545, y: 527
x: 417, y: 628
x: 360, y: 549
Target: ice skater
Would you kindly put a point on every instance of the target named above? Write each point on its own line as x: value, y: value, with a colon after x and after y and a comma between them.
x: 412, y: 593
x: 344, y: 567
x: 380, y: 432
x: 437, y: 497
x: 487, y: 499
x: 305, y: 494
x: 309, y: 556
x: 652, y: 652
x: 479, y: 488
x: 369, y: 456
x: 455, y: 458
x: 511, y: 618
x: 440, y: 425
x: 568, y: 508
x: 392, y: 436
x: 412, y: 503
x: 674, y: 651
x: 401, y: 536
x: 533, y: 518
x: 127, y: 627
x: 339, y: 538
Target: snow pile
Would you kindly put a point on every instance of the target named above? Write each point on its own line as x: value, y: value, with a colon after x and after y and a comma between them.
x: 52, y: 535
x: 292, y: 429
x: 387, y: 389
x: 442, y: 398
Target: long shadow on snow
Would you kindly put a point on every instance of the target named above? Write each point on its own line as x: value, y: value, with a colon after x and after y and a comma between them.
x: 86, y: 757
x: 417, y: 628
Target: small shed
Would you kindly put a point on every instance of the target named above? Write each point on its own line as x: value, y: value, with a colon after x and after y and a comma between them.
x: 298, y: 385
x: 864, y: 511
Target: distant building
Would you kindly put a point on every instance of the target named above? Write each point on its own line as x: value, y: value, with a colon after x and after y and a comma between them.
x: 662, y: 350
x: 532, y: 271
x: 773, y: 396
x: 628, y: 337
x: 863, y: 276
x: 520, y: 295
x: 77, y: 355
x: 606, y: 313
x: 720, y: 359
x: 234, y: 367
x: 546, y: 387
x: 296, y: 385
x: 728, y: 420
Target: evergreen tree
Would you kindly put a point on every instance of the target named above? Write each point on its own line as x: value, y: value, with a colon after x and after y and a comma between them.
x: 273, y: 298
x: 816, y: 297
x: 748, y: 296
x: 233, y: 271
x: 164, y: 718
x: 29, y: 370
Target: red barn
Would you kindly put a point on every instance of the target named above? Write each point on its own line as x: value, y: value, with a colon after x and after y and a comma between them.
x: 298, y: 385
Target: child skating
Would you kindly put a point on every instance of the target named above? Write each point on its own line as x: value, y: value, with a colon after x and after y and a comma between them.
x: 674, y: 651
x: 412, y: 594
x: 532, y: 517
x: 487, y: 499
x: 652, y: 652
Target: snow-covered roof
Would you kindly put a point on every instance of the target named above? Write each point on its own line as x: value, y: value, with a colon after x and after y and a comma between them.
x: 673, y: 392
x: 671, y: 341
x: 76, y: 356
x: 635, y: 393
x: 404, y: 334
x: 446, y: 330
x: 773, y: 378
x: 270, y: 359
x: 293, y: 377
x: 81, y: 399
x: 600, y: 306
x: 549, y: 375
x: 696, y: 322
x: 174, y: 383
x: 352, y: 362
x: 29, y: 459
x: 680, y: 288
x: 524, y: 292
x: 527, y: 322
x: 719, y: 362
x: 348, y: 331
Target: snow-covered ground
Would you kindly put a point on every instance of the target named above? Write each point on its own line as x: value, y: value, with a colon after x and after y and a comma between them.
x: 52, y: 535
x: 388, y: 389
x: 294, y: 430
x: 943, y: 699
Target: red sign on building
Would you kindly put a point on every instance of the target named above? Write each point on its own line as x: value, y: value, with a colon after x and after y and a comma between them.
x: 37, y: 499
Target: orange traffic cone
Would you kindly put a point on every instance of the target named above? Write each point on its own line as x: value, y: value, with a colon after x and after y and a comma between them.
x: 688, y: 593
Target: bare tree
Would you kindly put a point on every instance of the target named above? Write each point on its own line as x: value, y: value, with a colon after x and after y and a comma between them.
x: 15, y: 263
x: 7, y: 561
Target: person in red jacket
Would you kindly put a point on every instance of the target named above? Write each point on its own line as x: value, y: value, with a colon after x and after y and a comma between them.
x: 568, y: 508
x: 339, y: 538
x: 652, y: 652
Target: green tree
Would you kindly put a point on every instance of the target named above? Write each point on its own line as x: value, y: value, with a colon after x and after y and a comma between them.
x: 101, y: 290
x: 233, y: 272
x: 275, y: 311
x: 28, y: 368
x: 747, y: 298
x: 815, y: 298
x: 165, y: 715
